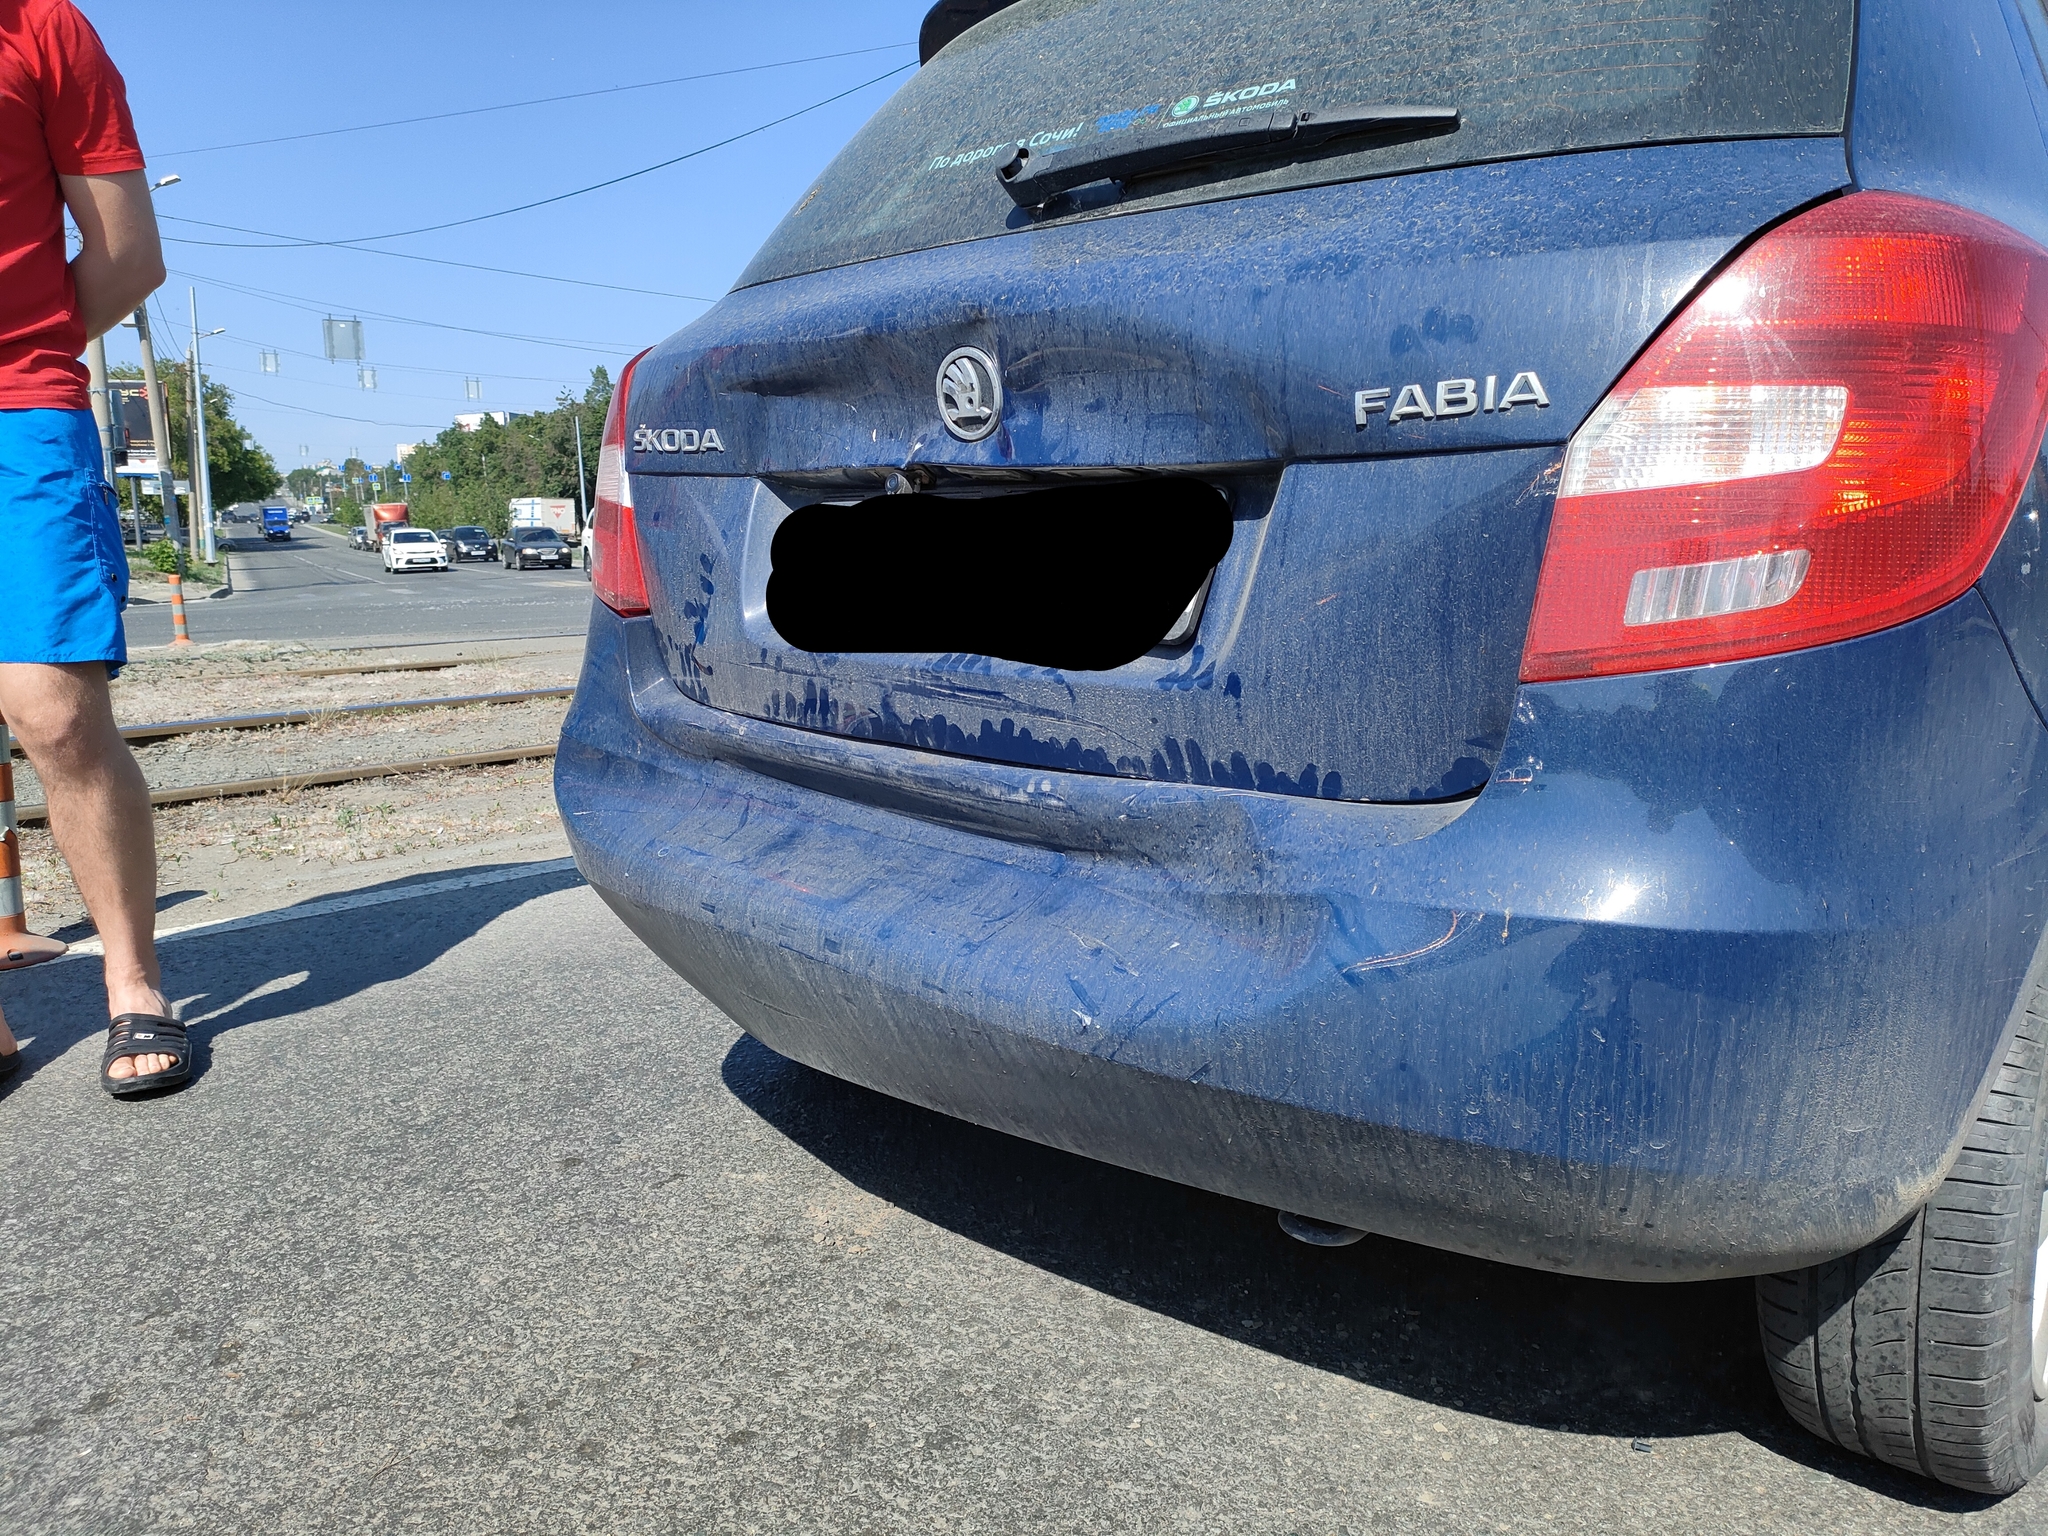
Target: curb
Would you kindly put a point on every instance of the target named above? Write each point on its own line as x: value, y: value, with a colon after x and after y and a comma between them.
x: 164, y: 602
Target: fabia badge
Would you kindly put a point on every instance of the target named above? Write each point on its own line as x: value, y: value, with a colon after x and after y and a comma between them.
x: 1452, y: 397
x: 970, y: 394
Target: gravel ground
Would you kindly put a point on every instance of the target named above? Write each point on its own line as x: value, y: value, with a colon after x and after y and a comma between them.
x: 224, y: 858
x: 246, y: 677
x: 332, y: 741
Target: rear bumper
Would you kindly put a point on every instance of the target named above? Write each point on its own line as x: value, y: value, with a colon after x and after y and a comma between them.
x: 1703, y: 983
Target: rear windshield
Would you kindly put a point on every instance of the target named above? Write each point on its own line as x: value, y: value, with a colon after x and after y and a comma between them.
x: 1528, y: 77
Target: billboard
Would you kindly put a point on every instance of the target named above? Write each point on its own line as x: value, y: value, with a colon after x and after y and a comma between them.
x: 134, y: 442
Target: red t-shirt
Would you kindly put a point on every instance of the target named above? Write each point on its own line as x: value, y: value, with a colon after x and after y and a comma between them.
x: 63, y: 112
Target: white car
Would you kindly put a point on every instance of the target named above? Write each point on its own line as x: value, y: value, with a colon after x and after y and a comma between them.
x: 414, y: 549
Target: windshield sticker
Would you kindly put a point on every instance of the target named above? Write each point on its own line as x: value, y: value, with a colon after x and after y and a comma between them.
x: 1264, y: 97
x: 1197, y: 108
x: 1113, y: 121
x: 1043, y: 143
x: 1247, y: 93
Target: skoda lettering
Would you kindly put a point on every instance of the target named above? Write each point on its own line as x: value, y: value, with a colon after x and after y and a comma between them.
x: 676, y: 439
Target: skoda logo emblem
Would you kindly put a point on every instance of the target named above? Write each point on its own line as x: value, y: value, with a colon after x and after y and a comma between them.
x: 970, y: 394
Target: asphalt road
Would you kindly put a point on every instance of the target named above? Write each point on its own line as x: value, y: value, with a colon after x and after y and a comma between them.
x: 318, y: 590
x: 478, y: 1220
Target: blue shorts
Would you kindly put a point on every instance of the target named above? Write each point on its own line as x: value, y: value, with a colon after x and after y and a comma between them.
x: 63, y: 572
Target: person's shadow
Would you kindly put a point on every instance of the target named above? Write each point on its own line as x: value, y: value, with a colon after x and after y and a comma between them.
x: 1640, y: 1362
x: 256, y: 974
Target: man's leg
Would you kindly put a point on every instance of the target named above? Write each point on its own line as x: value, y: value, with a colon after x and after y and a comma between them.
x: 99, y: 811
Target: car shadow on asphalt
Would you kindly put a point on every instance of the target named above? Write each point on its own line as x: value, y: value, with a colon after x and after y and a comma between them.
x: 229, y: 979
x: 1638, y: 1362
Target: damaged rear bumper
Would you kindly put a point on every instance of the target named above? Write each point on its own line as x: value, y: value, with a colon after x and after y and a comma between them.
x: 1703, y: 983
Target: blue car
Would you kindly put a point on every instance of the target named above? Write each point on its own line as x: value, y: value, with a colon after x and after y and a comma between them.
x: 1428, y: 616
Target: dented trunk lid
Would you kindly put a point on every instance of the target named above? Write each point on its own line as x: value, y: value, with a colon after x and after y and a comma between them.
x: 1360, y: 634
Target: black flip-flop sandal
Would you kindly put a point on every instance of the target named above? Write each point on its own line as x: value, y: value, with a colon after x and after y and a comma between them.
x: 10, y: 1064
x: 144, y: 1034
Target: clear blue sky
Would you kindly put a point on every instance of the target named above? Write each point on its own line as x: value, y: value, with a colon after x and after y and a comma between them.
x: 203, y: 74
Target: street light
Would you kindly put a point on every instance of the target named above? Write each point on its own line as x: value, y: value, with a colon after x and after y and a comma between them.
x: 202, y: 473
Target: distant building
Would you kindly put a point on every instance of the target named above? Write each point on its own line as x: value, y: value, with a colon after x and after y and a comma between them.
x: 402, y: 451
x: 469, y: 421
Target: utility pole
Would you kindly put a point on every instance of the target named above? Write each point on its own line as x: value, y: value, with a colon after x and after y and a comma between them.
x: 160, y: 429
x: 192, y: 481
x: 102, y: 408
x: 202, y: 477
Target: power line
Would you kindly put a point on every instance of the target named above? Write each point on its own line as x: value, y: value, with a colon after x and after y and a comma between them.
x: 453, y: 373
x: 293, y: 242
x: 598, y: 186
x: 163, y: 319
x: 325, y: 307
x: 538, y: 101
x: 243, y: 394
x: 423, y: 426
x: 382, y: 394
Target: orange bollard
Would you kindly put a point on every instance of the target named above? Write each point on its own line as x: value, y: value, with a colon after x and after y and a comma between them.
x: 180, y: 635
x: 18, y: 947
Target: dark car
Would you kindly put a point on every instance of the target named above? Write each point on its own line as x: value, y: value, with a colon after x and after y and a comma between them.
x: 469, y: 542
x: 530, y: 547
x: 1437, y: 624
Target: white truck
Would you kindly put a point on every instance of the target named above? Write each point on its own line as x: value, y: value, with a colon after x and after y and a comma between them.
x: 556, y: 512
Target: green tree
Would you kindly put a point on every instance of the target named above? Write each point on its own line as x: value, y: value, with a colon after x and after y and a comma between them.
x: 467, y: 476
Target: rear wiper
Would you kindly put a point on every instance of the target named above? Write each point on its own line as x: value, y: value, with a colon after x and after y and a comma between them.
x: 1032, y: 180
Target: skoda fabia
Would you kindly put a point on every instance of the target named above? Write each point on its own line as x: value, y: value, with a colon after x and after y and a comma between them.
x: 1427, y: 614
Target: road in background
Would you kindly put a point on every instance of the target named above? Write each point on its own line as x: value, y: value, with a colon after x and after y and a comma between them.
x: 317, y: 590
x: 478, y: 1219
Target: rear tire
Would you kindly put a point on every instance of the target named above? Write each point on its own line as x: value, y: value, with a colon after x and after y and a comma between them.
x: 1929, y: 1348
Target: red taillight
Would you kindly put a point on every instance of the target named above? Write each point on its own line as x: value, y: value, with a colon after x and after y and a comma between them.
x: 615, y: 570
x: 1831, y: 438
